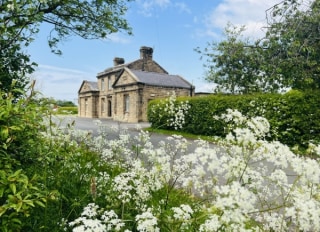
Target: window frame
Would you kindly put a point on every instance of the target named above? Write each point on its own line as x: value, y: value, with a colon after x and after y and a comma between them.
x: 126, y: 102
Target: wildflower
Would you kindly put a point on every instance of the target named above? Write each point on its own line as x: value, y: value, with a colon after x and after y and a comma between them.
x: 183, y: 212
x: 147, y: 222
x: 96, y: 220
x: 211, y: 224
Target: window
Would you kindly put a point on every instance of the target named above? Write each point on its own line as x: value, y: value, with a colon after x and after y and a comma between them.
x: 86, y: 105
x: 109, y: 83
x: 103, y: 103
x: 102, y: 84
x: 126, y: 103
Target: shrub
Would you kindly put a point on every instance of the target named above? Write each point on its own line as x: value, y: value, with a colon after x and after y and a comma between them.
x: 21, y: 189
x: 65, y: 110
x: 86, y: 183
x: 246, y: 183
x: 169, y: 113
x: 294, y: 116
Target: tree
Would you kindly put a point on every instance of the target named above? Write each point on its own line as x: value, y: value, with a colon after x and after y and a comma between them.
x: 287, y: 56
x: 20, y: 21
x: 14, y: 67
x: 233, y: 64
x: 65, y: 103
x: 293, y: 44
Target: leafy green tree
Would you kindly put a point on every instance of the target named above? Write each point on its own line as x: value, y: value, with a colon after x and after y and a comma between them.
x: 286, y: 57
x: 233, y: 64
x: 292, y: 44
x: 20, y: 21
x: 65, y: 103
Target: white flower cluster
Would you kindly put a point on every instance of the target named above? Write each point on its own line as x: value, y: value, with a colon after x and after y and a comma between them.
x: 244, y: 183
x: 94, y: 219
x: 245, y: 129
x: 183, y: 213
x: 134, y: 185
x: 147, y: 222
x: 175, y: 111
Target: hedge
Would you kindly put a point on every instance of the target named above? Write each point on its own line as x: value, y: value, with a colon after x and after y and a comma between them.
x: 294, y: 117
x: 67, y: 110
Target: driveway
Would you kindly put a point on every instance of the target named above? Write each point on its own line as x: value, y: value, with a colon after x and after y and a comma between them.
x: 89, y: 124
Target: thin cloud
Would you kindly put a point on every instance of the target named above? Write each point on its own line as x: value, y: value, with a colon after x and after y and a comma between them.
x: 118, y: 38
x: 250, y: 13
x: 206, y: 87
x: 182, y: 7
x: 59, y: 69
x: 60, y: 83
x: 149, y: 7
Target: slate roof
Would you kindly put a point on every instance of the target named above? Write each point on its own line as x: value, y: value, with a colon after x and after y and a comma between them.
x: 161, y: 79
x: 93, y: 85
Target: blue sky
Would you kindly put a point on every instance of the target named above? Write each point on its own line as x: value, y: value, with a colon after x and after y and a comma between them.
x: 173, y: 28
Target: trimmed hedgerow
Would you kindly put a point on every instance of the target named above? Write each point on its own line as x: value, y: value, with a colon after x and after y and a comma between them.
x: 67, y: 110
x: 294, y: 117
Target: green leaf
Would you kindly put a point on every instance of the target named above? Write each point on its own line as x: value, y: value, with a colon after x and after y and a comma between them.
x: 13, y: 188
x: 16, y: 220
x: 40, y: 203
x: 2, y: 210
x: 14, y: 176
x: 28, y: 202
x: 18, y: 206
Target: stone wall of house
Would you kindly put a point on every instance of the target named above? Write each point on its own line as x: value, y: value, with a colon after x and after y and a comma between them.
x: 147, y: 65
x: 106, y: 104
x: 146, y: 62
x: 120, y: 113
x: 151, y: 93
x: 88, y: 104
x: 139, y: 97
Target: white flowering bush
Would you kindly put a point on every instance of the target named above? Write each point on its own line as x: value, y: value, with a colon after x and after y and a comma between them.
x: 95, y: 219
x: 170, y: 113
x: 243, y: 183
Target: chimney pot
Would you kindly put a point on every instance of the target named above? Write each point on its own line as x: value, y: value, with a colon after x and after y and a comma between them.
x: 146, y: 52
x: 118, y: 61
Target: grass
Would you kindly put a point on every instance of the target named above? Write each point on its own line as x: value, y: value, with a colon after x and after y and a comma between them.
x: 184, y: 134
x: 67, y: 110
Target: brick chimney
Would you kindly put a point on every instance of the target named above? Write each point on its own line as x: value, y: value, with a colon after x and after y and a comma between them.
x: 118, y: 61
x: 146, y: 53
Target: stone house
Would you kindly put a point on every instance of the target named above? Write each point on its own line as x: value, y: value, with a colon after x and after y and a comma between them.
x: 122, y: 92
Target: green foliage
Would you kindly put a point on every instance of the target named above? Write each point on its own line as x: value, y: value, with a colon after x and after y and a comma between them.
x: 169, y: 113
x: 65, y: 103
x: 20, y: 22
x: 35, y: 181
x: 286, y: 57
x: 67, y: 110
x: 233, y: 64
x: 156, y: 114
x: 293, y: 45
x: 21, y: 190
x: 294, y: 116
x: 49, y: 174
x: 18, y: 197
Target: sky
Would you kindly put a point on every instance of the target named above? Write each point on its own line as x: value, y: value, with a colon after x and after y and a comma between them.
x: 172, y: 28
